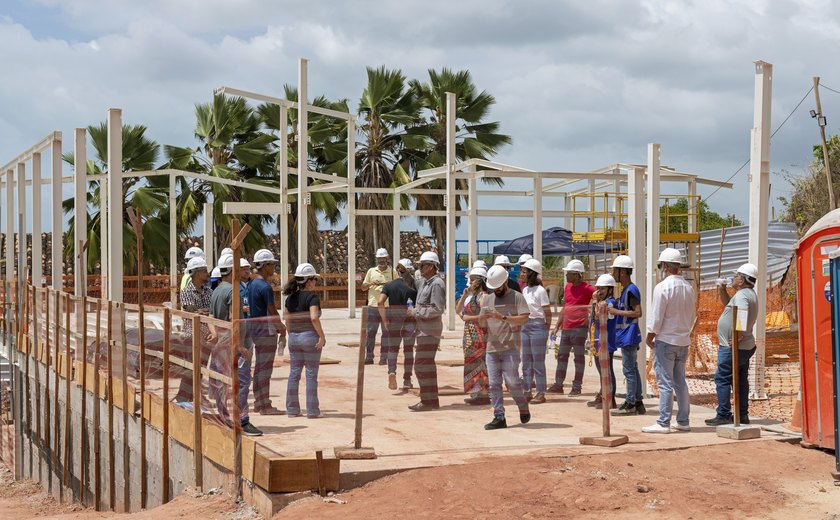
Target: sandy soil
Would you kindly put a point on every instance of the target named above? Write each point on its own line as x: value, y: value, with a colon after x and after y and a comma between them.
x: 768, y: 479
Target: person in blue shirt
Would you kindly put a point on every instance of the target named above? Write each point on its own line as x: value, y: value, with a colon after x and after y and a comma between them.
x: 604, y: 293
x: 628, y: 335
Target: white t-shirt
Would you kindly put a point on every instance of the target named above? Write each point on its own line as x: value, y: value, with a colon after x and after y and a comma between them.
x: 537, y: 298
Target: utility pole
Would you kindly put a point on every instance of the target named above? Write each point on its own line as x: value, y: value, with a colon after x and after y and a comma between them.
x: 821, y: 121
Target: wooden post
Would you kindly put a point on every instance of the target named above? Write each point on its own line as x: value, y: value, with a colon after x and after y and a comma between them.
x: 319, y: 460
x: 36, y: 310
x: 236, y: 340
x: 135, y: 216
x: 67, y: 377
x: 84, y: 444
x: 832, y: 199
x: 24, y: 340
x: 734, y: 346
x: 126, y: 450
x: 47, y: 404
x: 112, y: 494
x: 167, y: 332
x: 196, y: 368
x: 97, y: 457
x: 358, y: 452
x: 56, y: 369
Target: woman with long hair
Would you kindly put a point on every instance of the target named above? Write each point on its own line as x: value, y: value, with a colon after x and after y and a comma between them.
x: 476, y: 382
x: 302, y: 314
x: 535, y: 332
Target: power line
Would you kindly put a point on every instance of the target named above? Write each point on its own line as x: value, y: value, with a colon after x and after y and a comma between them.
x: 823, y: 85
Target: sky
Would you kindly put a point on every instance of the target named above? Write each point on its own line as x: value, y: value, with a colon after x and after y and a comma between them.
x: 578, y: 85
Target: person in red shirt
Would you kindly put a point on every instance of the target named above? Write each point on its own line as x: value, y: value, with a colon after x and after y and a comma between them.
x: 577, y: 294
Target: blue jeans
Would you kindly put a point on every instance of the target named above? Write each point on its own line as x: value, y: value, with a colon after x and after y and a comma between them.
x: 400, y: 330
x: 244, y: 370
x: 303, y: 354
x: 372, y: 327
x: 505, y: 364
x: 534, y: 340
x: 630, y: 367
x: 723, y: 381
x: 669, y: 364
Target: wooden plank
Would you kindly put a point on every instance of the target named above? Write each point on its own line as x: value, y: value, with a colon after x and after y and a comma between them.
x: 47, y: 364
x: 68, y: 376
x: 292, y: 474
x: 97, y: 456
x: 35, y: 346
x: 126, y: 449
x: 83, y: 375
x: 112, y: 495
x: 167, y: 332
x: 56, y: 369
x: 197, y: 440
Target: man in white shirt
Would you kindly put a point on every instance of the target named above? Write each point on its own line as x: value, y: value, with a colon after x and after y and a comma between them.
x: 669, y: 325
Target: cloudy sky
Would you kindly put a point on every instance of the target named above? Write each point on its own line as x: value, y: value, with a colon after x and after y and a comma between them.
x: 579, y: 85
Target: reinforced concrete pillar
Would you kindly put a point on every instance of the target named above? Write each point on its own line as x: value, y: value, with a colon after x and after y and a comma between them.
x: 115, y: 206
x: 79, y: 208
x: 451, y: 206
x: 636, y: 249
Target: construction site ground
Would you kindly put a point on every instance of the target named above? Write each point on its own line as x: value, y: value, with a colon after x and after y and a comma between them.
x: 443, y: 464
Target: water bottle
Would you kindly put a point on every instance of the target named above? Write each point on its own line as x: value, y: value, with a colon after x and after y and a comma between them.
x: 409, y: 304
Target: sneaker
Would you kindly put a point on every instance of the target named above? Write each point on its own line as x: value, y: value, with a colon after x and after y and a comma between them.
x: 496, y: 424
x: 369, y: 361
x: 538, y: 399
x: 423, y: 407
x: 556, y: 388
x: 594, y: 402
x: 600, y: 405
x: 640, y: 408
x: 250, y: 430
x: 624, y: 406
x: 625, y: 409
x: 718, y: 421
x: 292, y: 414
x: 682, y: 428
x: 575, y: 391
x: 270, y: 410
x: 656, y: 428
x: 477, y: 400
x: 528, y: 396
x: 745, y: 420
x: 392, y: 381
x: 383, y: 361
x: 319, y: 415
x: 407, y: 384
x: 525, y: 417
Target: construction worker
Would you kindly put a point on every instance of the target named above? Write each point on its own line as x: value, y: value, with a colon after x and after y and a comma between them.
x: 522, y: 280
x: 375, y: 278
x: 747, y: 302
x: 628, y: 335
x: 266, y: 329
x: 220, y: 308
x: 474, y: 343
x: 428, y: 312
x: 193, y: 252
x: 669, y: 326
x: 535, y: 331
x: 504, y: 311
x: 504, y: 261
x: 195, y: 297
x: 401, y: 294
x: 573, y: 320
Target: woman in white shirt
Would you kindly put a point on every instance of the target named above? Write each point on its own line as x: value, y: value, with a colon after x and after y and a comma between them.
x: 535, y: 332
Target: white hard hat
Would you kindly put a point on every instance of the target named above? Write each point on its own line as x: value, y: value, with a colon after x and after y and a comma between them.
x: 534, y: 265
x: 497, y: 276
x: 216, y: 273
x: 622, y: 262
x: 405, y: 262
x: 524, y: 258
x: 478, y: 271
x: 671, y: 256
x: 605, y: 280
x: 243, y: 262
x: 226, y: 262
x: 574, y: 266
x: 264, y: 256
x: 381, y: 253
x: 429, y: 257
x: 502, y: 260
x: 194, y: 252
x: 305, y: 270
x: 750, y: 271
x: 226, y: 251
x: 195, y: 264
x: 480, y: 263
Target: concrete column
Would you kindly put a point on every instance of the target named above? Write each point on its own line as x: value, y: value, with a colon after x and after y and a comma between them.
x: 652, y: 220
x: 57, y: 197
x: 303, y: 155
x: 209, y: 249
x: 538, y: 218
x: 395, y: 243
x: 351, y: 218
x: 283, y: 218
x: 472, y: 236
x: 451, y: 207
x: 80, y: 222
x: 21, y: 204
x: 759, y: 204
x: 115, y: 206
x: 37, y: 225
x: 694, y: 213
x: 10, y: 226
x: 590, y: 221
x: 636, y: 248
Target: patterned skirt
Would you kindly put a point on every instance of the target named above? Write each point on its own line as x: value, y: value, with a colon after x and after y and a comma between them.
x: 475, y: 366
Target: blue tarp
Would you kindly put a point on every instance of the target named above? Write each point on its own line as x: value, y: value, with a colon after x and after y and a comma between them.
x: 557, y: 241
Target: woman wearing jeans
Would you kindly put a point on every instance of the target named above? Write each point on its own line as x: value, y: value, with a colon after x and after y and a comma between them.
x: 535, y: 332
x: 302, y: 314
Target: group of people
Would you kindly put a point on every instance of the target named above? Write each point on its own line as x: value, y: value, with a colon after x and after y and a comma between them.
x: 262, y: 332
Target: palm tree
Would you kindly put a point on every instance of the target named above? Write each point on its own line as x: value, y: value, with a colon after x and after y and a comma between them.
x: 476, y: 138
x: 232, y: 146
x: 148, y: 194
x: 387, y: 107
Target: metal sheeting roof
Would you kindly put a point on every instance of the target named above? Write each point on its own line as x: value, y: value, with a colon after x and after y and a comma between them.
x: 781, y: 243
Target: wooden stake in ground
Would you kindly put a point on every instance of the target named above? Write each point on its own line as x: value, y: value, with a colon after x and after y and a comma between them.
x: 357, y: 451
x: 606, y: 439
x: 67, y: 377
x: 135, y: 216
x: 80, y: 271
x: 97, y: 455
x: 164, y: 479
x: 235, y: 341
x: 198, y: 450
x: 126, y: 449
x: 112, y: 492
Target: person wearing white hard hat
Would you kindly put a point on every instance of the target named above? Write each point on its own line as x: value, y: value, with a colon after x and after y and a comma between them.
x: 604, y: 290
x: 521, y: 279
x: 474, y: 342
x: 397, y: 326
x: 535, y: 332
x: 220, y: 309
x: 193, y: 252
x: 215, y: 277
x: 572, y: 320
x: 504, y: 311
x: 747, y: 302
x: 195, y: 297
x: 628, y: 335
x: 375, y: 278
x: 244, y: 368
x: 266, y: 329
x: 504, y: 261
x: 669, y: 326
x: 428, y: 313
x: 480, y: 263
x: 302, y: 313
